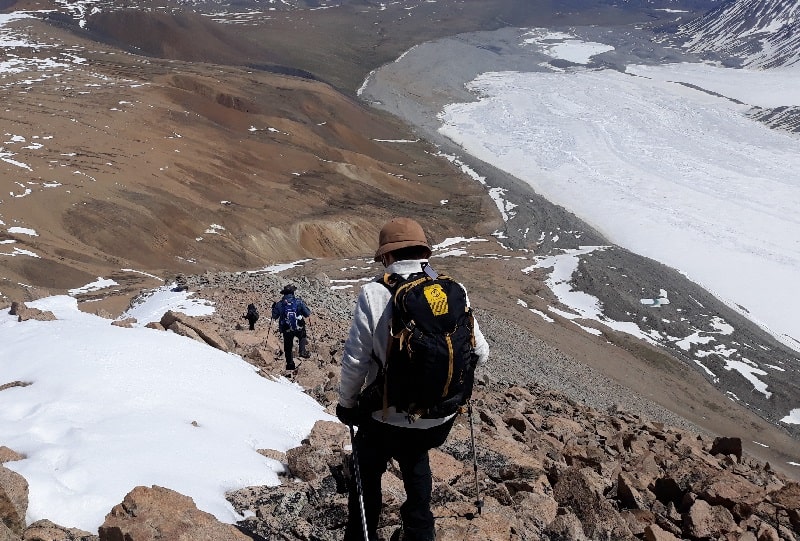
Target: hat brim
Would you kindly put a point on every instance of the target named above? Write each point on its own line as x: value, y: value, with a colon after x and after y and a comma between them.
x: 392, y: 246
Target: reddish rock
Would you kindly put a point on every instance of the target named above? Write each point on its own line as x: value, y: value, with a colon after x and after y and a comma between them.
x: 126, y: 323
x: 767, y: 533
x: 9, y: 455
x: 540, y: 509
x: 309, y: 463
x: 444, y: 467
x: 24, y: 313
x: 582, y: 491
x: 44, y: 530
x: 13, y: 500
x: 6, y: 534
x: 157, y: 514
x: 732, y: 491
x: 631, y: 494
x: 707, y: 521
x: 654, y: 533
x: 206, y: 332
x: 727, y: 446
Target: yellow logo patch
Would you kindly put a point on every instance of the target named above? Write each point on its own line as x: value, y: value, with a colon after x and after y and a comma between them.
x: 437, y: 299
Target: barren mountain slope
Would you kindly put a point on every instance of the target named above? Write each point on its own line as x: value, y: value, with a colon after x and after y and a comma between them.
x: 117, y: 161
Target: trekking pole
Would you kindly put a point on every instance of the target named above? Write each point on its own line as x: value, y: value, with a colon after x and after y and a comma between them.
x: 478, y: 501
x: 359, y: 489
x: 313, y: 338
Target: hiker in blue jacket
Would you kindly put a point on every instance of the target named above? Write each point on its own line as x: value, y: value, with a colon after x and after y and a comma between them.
x: 291, y: 313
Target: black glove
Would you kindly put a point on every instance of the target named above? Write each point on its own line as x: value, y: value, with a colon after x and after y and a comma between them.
x: 349, y: 416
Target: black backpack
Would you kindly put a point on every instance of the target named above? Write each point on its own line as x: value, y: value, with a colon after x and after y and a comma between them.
x: 252, y: 312
x: 430, y: 361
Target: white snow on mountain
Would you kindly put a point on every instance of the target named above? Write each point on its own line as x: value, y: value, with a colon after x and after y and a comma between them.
x: 101, y: 409
x: 762, y: 33
x: 663, y: 163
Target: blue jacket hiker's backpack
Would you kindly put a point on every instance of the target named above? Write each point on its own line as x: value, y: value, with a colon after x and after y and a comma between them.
x: 290, y: 311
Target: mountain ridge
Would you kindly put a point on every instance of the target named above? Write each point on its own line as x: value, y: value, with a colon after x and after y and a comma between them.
x: 760, y: 34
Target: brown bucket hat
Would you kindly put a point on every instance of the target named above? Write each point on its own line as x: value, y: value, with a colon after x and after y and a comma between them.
x: 400, y: 233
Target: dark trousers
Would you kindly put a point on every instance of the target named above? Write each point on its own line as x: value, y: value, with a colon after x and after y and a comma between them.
x: 288, y: 345
x: 376, y: 443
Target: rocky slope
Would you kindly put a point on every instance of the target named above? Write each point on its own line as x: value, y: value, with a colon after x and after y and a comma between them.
x: 549, y: 466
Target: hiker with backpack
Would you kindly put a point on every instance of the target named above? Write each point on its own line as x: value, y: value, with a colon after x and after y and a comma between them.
x: 251, y: 316
x: 291, y: 313
x: 403, y: 403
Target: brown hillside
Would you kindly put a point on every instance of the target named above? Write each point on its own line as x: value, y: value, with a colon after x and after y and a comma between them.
x: 141, y: 157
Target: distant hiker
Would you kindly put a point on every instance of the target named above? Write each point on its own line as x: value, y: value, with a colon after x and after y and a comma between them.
x: 251, y: 316
x: 411, y: 419
x: 291, y: 313
x: 180, y: 283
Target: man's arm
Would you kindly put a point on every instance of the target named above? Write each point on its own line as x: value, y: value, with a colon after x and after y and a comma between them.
x: 481, y: 345
x: 302, y: 308
x: 357, y: 355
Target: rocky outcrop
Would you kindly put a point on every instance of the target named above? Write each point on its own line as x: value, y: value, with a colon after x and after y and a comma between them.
x: 126, y: 323
x: 24, y: 313
x: 9, y: 455
x: 44, y: 530
x: 193, y: 328
x: 157, y: 513
x: 13, y: 500
x: 548, y: 468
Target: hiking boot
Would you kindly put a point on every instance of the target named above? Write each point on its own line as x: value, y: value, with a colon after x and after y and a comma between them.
x: 305, y: 354
x: 291, y: 366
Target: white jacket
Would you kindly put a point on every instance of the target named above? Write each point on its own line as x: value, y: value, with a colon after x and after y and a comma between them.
x: 369, y: 333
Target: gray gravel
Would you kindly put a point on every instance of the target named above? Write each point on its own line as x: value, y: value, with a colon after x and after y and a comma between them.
x: 519, y: 357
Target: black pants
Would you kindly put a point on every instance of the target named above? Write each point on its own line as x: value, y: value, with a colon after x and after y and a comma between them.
x: 378, y: 442
x: 288, y: 345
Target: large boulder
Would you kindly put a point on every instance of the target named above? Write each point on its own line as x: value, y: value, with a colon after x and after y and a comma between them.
x: 788, y: 498
x: 44, y: 530
x: 9, y: 455
x: 24, y: 313
x: 581, y: 489
x: 730, y: 490
x: 13, y: 500
x: 654, y: 533
x: 706, y: 521
x: 205, y: 331
x: 727, y: 446
x: 156, y: 513
x: 6, y: 534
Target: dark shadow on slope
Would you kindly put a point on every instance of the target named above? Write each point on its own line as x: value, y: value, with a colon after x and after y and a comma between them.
x: 284, y: 70
x: 179, y: 35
